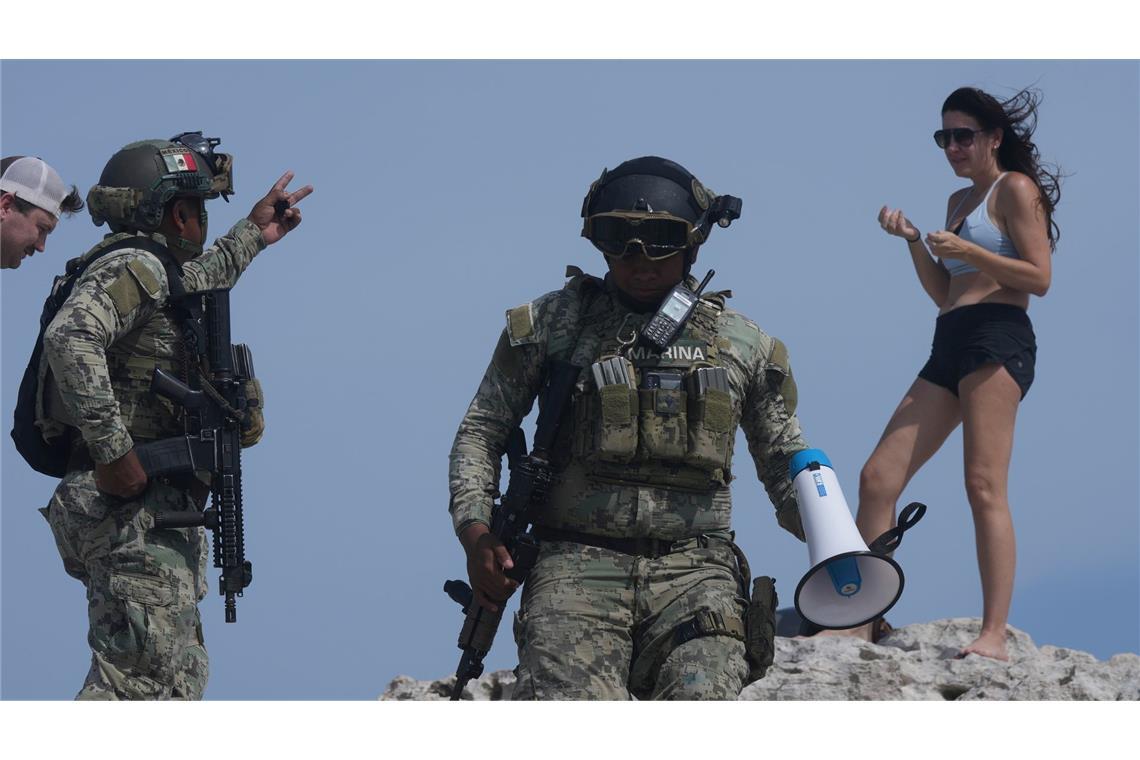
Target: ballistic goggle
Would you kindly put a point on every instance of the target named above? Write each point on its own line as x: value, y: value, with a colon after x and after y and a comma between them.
x: 659, y: 236
x: 220, y: 164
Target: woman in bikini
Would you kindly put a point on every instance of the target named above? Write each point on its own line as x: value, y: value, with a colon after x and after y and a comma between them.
x: 993, y: 254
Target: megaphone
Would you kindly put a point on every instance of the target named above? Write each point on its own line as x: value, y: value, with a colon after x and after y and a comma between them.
x: 848, y: 584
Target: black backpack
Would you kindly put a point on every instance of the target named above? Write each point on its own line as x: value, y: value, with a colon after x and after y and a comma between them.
x: 50, y: 457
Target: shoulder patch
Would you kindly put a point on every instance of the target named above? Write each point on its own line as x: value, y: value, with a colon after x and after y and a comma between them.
x: 125, y: 294
x: 145, y: 278
x: 520, y: 325
x: 780, y: 375
x: 135, y: 283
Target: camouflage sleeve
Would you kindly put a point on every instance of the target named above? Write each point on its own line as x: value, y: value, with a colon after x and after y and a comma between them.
x: 110, y: 299
x: 773, y: 431
x: 505, y: 396
x: 222, y: 263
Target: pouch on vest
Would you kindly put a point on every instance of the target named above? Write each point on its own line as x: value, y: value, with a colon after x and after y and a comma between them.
x: 253, y: 426
x: 605, y: 421
x: 663, y: 415
x: 710, y: 421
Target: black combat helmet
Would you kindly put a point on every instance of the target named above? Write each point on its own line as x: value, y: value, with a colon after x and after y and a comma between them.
x: 141, y: 178
x: 656, y: 202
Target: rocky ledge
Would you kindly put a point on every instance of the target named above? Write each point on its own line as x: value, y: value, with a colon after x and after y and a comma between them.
x: 915, y: 662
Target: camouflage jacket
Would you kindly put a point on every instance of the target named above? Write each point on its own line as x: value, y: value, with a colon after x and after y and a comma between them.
x: 114, y: 330
x: 646, y: 493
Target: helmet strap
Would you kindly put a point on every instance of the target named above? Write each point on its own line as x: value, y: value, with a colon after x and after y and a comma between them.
x: 183, y: 247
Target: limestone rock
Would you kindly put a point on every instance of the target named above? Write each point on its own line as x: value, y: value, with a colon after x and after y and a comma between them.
x: 916, y: 662
x: 919, y: 662
x: 490, y: 686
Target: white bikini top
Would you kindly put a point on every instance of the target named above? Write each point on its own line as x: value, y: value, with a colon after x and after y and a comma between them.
x: 979, y: 229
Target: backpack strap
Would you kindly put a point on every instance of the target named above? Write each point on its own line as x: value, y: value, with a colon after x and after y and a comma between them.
x: 75, y: 268
x: 582, y: 289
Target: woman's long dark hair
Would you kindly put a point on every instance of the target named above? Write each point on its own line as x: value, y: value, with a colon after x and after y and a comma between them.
x: 1017, y: 119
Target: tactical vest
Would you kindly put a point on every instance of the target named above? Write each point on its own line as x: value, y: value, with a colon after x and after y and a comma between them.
x: 671, y: 437
x: 131, y: 360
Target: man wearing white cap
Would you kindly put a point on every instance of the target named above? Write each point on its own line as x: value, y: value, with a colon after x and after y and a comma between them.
x: 32, y: 196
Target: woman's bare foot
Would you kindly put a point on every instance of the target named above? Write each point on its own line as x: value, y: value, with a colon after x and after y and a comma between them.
x: 990, y: 645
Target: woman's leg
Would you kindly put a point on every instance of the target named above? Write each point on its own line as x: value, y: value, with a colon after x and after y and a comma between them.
x: 990, y: 398
x: 925, y: 417
x: 920, y: 425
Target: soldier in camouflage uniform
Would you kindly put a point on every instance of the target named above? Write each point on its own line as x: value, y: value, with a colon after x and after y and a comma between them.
x: 638, y: 588
x: 100, y: 350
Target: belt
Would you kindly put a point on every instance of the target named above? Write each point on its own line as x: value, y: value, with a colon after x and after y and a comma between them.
x: 651, y: 548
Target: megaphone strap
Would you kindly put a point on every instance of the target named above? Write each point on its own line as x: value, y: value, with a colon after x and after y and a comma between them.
x: 890, y: 540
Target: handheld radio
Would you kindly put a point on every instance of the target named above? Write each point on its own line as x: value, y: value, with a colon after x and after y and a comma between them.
x: 675, y: 309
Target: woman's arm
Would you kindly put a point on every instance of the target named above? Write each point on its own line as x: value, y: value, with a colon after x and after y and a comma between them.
x: 932, y: 275
x: 1021, y: 214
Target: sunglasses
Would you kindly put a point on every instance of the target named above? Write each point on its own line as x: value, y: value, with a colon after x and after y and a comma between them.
x: 964, y: 136
x: 658, y: 236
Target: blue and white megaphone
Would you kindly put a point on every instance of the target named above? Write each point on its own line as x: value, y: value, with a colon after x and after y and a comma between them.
x: 848, y: 584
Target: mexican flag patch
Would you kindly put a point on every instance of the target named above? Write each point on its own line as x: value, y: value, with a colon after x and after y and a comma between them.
x: 178, y: 160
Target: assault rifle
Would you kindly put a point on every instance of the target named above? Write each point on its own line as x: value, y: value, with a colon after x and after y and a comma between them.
x: 216, y: 408
x: 530, y: 480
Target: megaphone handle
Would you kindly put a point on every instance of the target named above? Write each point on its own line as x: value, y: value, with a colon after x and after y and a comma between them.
x: 908, y: 518
x: 911, y: 514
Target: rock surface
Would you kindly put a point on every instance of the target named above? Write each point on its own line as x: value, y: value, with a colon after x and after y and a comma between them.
x: 916, y: 662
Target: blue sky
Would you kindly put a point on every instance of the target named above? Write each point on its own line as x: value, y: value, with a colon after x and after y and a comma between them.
x: 449, y: 191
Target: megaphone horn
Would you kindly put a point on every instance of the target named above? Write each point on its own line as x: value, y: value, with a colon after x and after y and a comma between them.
x: 848, y: 584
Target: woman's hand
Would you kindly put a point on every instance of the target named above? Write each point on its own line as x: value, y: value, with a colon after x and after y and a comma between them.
x: 934, y: 277
x: 946, y: 245
x: 895, y: 223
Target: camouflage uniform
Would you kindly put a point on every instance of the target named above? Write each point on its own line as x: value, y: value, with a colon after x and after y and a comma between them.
x: 660, y: 615
x: 143, y: 586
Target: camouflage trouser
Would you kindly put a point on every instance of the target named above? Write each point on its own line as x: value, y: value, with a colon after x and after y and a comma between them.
x: 143, y: 588
x: 598, y: 624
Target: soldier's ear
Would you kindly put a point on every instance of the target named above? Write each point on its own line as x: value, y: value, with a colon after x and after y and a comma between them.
x: 179, y: 215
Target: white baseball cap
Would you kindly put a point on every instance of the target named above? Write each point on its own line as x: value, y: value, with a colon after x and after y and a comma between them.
x: 32, y: 180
